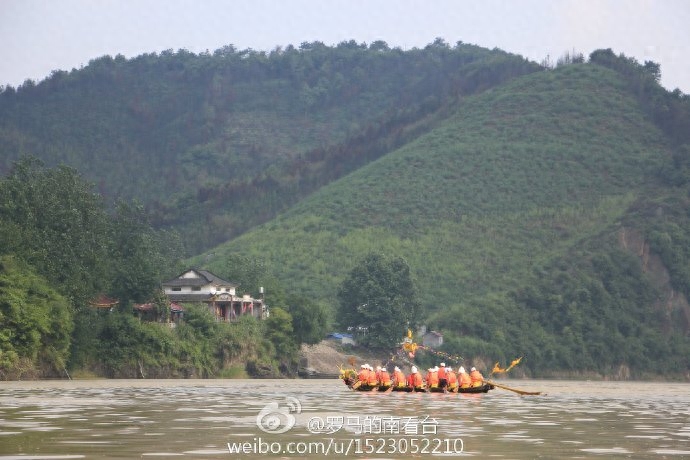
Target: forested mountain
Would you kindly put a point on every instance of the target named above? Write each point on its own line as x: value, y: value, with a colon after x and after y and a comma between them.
x: 546, y: 217
x: 214, y: 144
x: 543, y: 211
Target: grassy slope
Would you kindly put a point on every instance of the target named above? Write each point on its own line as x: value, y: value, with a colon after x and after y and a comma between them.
x: 216, y: 144
x: 515, y: 178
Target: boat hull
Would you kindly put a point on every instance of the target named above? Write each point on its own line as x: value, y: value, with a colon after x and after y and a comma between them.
x: 365, y: 387
x: 482, y: 389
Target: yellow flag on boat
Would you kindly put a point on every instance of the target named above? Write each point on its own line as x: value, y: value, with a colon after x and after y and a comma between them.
x: 498, y: 370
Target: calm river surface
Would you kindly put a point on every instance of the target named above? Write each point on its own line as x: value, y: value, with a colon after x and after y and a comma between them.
x: 205, y: 419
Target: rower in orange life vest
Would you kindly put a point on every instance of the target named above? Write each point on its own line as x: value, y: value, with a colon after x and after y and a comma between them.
x: 476, y: 377
x: 432, y: 377
x: 384, y: 378
x: 414, y: 380
x: 398, y: 378
x: 464, y: 379
x: 372, y: 379
x: 452, y: 379
x: 442, y: 379
x: 363, y: 375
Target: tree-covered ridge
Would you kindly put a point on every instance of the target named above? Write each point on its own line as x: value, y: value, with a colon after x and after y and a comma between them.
x: 485, y: 171
x: 214, y: 137
x: 508, y: 212
x: 35, y: 323
x: 61, y: 248
x: 540, y: 211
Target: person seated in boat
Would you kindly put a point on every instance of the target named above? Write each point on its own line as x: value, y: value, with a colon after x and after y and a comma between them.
x: 476, y: 377
x: 399, y: 380
x: 363, y: 375
x: 384, y: 378
x: 464, y: 379
x: 414, y: 380
x: 432, y: 377
x: 452, y: 379
x: 373, y: 380
x: 442, y: 379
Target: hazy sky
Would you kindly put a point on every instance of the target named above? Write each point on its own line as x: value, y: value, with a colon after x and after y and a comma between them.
x: 39, y: 36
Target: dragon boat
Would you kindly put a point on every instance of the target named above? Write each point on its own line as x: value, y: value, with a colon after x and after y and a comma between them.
x: 407, y: 350
x: 351, y: 381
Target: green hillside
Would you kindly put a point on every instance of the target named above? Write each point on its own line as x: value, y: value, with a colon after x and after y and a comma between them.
x: 543, y: 212
x: 216, y: 143
x: 505, y: 210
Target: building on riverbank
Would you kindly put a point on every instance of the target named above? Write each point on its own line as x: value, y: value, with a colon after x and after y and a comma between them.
x: 201, y: 286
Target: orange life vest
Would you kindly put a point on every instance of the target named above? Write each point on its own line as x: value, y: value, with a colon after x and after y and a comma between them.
x: 363, y: 375
x: 373, y: 381
x: 432, y: 379
x: 399, y: 379
x: 415, y: 380
x: 452, y: 379
x: 476, y: 378
x: 442, y: 373
x: 465, y: 380
x: 384, y: 378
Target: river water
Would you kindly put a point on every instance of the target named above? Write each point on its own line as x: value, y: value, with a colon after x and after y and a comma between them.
x: 206, y: 419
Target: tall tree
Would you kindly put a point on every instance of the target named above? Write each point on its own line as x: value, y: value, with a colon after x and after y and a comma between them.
x: 35, y: 323
x: 55, y: 221
x: 140, y: 256
x: 379, y: 299
x: 309, y: 319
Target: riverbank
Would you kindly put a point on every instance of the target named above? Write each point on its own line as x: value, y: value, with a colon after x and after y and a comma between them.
x: 322, y: 359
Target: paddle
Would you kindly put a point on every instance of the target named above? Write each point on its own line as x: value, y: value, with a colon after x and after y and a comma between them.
x: 356, y: 385
x: 520, y: 392
x: 389, y: 390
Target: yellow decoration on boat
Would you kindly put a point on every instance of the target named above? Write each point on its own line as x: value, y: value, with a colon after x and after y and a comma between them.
x: 497, y: 368
x: 347, y: 373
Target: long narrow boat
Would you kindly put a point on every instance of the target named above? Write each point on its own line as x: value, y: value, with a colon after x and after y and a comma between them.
x: 351, y: 383
x: 480, y: 389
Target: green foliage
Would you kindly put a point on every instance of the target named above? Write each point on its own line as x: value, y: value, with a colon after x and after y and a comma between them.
x: 249, y: 274
x: 512, y: 181
x: 667, y: 230
x: 598, y: 307
x: 669, y: 110
x: 309, y: 319
x: 53, y: 222
x: 57, y: 224
x: 280, y: 333
x: 35, y: 323
x: 379, y: 295
x: 512, y: 193
x: 214, y: 144
x: 140, y: 256
x: 128, y: 348
x: 199, y: 346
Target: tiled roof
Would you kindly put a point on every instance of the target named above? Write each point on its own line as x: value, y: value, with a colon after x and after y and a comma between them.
x: 214, y: 279
x: 103, y: 301
x: 205, y: 277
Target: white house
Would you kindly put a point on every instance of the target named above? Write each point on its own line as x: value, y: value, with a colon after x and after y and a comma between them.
x: 202, y: 286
